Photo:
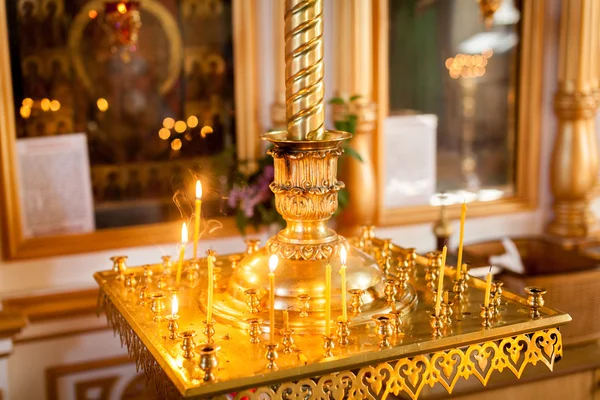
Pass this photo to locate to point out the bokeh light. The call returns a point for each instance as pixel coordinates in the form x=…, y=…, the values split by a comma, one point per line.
x=102, y=104
x=164, y=133
x=176, y=144
x=180, y=126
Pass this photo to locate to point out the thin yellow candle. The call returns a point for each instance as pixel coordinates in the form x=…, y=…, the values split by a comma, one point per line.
x=184, y=237
x=461, y=238
x=343, y=255
x=273, y=261
x=440, y=289
x=488, y=288
x=211, y=283
x=197, y=217
x=174, y=305
x=286, y=320
x=328, y=300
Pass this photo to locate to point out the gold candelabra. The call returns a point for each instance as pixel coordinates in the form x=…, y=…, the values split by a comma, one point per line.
x=288, y=287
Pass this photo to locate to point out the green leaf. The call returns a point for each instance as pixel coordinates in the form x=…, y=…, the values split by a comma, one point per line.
x=350, y=152
x=355, y=97
x=337, y=100
x=241, y=221
x=352, y=120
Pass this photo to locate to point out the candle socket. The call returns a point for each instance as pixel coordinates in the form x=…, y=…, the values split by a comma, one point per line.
x=119, y=266
x=209, y=330
x=328, y=346
x=535, y=300
x=234, y=260
x=147, y=276
x=172, y=326
x=303, y=304
x=343, y=333
x=252, y=301
x=130, y=282
x=142, y=297
x=216, y=278
x=187, y=343
x=397, y=321
x=162, y=283
x=271, y=355
x=446, y=312
x=167, y=264
x=384, y=264
x=356, y=301
x=366, y=237
x=192, y=272
x=384, y=329
x=497, y=299
x=436, y=325
x=486, y=314
x=390, y=290
x=288, y=341
x=157, y=306
x=411, y=257
x=209, y=361
x=252, y=246
x=434, y=259
x=459, y=289
x=255, y=330
x=403, y=278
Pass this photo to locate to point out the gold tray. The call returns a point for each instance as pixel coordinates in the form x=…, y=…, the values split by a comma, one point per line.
x=361, y=370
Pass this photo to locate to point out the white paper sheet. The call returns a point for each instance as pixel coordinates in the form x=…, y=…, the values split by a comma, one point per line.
x=410, y=160
x=54, y=185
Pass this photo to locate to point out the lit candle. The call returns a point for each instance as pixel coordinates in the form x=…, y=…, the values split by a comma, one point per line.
x=286, y=320
x=211, y=282
x=463, y=215
x=440, y=289
x=184, y=235
x=197, y=216
x=343, y=256
x=273, y=261
x=174, y=305
x=488, y=288
x=328, y=300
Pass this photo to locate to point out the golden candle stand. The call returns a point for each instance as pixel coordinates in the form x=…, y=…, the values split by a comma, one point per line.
x=359, y=370
x=392, y=342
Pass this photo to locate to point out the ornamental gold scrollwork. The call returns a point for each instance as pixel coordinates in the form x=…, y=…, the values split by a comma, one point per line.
x=321, y=251
x=411, y=375
x=299, y=155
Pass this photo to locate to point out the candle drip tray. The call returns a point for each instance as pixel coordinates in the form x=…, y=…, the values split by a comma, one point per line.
x=388, y=353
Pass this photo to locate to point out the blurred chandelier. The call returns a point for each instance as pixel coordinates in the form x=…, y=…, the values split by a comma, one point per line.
x=122, y=21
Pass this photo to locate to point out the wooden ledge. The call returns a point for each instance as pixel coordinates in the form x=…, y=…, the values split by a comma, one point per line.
x=38, y=308
x=11, y=323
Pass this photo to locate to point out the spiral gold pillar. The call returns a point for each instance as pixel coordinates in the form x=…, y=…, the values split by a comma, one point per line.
x=306, y=195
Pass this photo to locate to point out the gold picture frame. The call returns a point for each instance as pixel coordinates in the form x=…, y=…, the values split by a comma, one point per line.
x=16, y=246
x=529, y=111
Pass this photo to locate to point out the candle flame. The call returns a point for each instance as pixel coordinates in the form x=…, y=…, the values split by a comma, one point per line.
x=273, y=261
x=184, y=233
x=343, y=255
x=174, y=305
x=198, y=190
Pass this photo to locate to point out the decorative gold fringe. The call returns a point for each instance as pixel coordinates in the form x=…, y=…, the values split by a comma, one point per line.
x=137, y=351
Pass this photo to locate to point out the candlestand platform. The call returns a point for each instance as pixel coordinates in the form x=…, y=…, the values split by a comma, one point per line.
x=381, y=358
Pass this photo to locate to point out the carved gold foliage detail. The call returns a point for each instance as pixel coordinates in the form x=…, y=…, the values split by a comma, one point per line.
x=411, y=375
x=322, y=251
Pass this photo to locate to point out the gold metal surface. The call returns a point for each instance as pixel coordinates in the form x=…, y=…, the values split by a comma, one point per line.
x=361, y=369
x=306, y=195
x=304, y=71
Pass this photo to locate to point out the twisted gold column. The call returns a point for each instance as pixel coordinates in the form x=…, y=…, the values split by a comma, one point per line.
x=304, y=70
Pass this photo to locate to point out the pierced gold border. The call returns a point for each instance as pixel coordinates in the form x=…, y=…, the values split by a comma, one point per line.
x=406, y=375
